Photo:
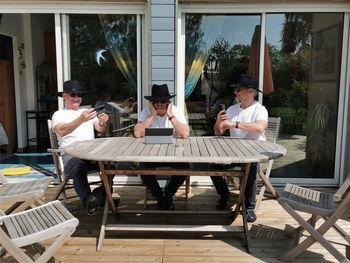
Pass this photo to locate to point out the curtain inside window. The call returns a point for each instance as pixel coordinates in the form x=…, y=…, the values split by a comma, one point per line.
x=211, y=27
x=119, y=35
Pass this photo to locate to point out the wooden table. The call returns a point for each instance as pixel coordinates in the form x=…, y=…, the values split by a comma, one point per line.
x=197, y=151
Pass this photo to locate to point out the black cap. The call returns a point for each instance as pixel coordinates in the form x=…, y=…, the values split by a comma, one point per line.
x=72, y=86
x=247, y=81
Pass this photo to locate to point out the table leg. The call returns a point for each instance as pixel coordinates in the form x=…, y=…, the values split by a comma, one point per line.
x=242, y=190
x=104, y=179
x=245, y=228
x=103, y=226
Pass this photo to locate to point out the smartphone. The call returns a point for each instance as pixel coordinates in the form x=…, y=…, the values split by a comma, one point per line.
x=98, y=108
x=223, y=107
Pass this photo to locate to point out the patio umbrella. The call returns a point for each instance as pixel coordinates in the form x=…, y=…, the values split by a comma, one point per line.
x=253, y=69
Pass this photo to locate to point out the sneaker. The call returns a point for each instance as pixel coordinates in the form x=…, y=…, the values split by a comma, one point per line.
x=222, y=203
x=251, y=216
x=92, y=205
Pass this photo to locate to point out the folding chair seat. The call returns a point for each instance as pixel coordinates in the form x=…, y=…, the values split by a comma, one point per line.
x=22, y=194
x=318, y=204
x=63, y=178
x=34, y=225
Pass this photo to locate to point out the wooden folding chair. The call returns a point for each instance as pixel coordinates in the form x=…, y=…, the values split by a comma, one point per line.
x=35, y=225
x=23, y=194
x=271, y=133
x=318, y=204
x=57, y=159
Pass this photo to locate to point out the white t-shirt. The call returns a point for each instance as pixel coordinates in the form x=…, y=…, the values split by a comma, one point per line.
x=84, y=132
x=163, y=121
x=253, y=113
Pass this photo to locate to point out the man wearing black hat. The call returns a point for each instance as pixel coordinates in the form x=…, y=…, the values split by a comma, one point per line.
x=74, y=124
x=161, y=113
x=246, y=119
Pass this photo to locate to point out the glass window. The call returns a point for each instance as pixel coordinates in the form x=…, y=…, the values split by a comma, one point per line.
x=305, y=53
x=103, y=57
x=218, y=49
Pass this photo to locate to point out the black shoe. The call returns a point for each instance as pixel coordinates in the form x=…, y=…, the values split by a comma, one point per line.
x=251, y=216
x=116, y=201
x=222, y=203
x=92, y=205
x=169, y=204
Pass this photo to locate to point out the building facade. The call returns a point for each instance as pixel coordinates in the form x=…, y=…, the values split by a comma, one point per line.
x=299, y=51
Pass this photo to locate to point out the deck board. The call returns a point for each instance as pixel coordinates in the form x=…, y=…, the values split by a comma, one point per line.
x=268, y=235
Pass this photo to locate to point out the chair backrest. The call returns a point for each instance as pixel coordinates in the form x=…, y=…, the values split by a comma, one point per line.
x=272, y=130
x=52, y=136
x=55, y=150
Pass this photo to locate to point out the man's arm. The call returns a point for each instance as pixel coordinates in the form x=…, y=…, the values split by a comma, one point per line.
x=181, y=129
x=220, y=118
x=100, y=123
x=140, y=127
x=252, y=127
x=62, y=129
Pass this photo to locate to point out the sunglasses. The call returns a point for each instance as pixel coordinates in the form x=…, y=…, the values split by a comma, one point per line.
x=75, y=95
x=238, y=89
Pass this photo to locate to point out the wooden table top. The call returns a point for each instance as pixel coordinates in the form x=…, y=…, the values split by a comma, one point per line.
x=219, y=150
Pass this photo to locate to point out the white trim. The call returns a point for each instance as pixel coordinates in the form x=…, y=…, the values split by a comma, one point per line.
x=72, y=8
x=21, y=133
x=345, y=82
x=262, y=56
x=264, y=7
x=59, y=56
x=138, y=56
x=145, y=51
x=180, y=61
x=65, y=47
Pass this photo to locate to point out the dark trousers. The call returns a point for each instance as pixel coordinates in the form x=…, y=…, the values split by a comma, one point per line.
x=78, y=169
x=170, y=189
x=250, y=190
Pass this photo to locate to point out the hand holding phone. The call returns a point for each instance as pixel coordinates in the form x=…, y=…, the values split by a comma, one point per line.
x=98, y=108
x=223, y=107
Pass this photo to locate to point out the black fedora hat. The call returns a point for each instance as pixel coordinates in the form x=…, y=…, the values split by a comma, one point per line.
x=159, y=93
x=247, y=81
x=72, y=86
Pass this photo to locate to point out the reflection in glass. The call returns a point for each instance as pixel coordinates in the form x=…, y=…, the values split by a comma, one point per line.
x=103, y=57
x=218, y=50
x=305, y=52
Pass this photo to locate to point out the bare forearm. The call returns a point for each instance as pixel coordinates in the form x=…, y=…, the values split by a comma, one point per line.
x=181, y=129
x=141, y=126
x=98, y=127
x=62, y=129
x=252, y=127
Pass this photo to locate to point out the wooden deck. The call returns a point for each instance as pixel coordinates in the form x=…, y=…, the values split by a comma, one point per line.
x=268, y=233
